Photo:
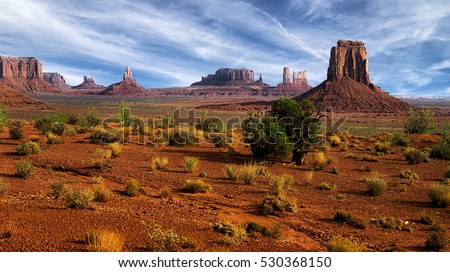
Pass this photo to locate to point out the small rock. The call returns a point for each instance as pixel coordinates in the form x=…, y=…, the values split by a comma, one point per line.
x=203, y=174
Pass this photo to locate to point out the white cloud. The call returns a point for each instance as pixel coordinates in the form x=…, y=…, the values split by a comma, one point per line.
x=441, y=65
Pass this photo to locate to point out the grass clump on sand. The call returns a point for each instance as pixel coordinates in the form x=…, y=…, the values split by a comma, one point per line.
x=376, y=186
x=28, y=148
x=440, y=195
x=132, y=187
x=116, y=149
x=104, y=241
x=196, y=186
x=438, y=239
x=80, y=199
x=247, y=173
x=231, y=172
x=24, y=168
x=342, y=244
x=159, y=163
x=190, y=164
x=320, y=161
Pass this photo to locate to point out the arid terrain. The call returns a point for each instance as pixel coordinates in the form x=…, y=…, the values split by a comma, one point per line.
x=33, y=219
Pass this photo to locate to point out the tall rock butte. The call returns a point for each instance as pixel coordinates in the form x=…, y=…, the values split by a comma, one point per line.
x=228, y=77
x=88, y=83
x=24, y=74
x=127, y=87
x=348, y=87
x=299, y=81
x=56, y=80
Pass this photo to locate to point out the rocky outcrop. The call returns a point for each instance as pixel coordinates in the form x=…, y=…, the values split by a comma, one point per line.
x=298, y=85
x=56, y=80
x=228, y=77
x=349, y=59
x=127, y=87
x=15, y=100
x=24, y=74
x=348, y=87
x=89, y=83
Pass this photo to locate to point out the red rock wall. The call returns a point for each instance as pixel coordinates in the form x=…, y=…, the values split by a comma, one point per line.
x=25, y=68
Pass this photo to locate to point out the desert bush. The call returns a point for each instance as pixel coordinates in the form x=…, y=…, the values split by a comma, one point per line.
x=3, y=187
x=344, y=146
x=101, y=193
x=219, y=140
x=418, y=121
x=376, y=186
x=272, y=204
x=79, y=199
x=98, y=180
x=212, y=124
x=369, y=158
x=442, y=149
x=326, y=186
x=160, y=240
x=231, y=172
x=247, y=172
x=104, y=241
x=334, y=140
x=116, y=149
x=132, y=187
x=124, y=114
x=389, y=222
x=196, y=186
x=382, y=147
x=15, y=129
x=343, y=216
x=320, y=161
x=438, y=239
x=224, y=227
x=28, y=148
x=164, y=192
x=190, y=164
x=414, y=156
x=342, y=244
x=408, y=174
x=440, y=195
x=24, y=168
x=3, y=117
x=279, y=186
x=425, y=218
x=159, y=163
x=398, y=140
x=59, y=189
x=447, y=173
x=70, y=131
x=100, y=157
x=100, y=135
x=52, y=139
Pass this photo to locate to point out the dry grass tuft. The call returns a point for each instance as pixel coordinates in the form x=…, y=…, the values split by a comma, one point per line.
x=104, y=241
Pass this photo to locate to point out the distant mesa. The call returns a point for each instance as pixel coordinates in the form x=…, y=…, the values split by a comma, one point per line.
x=56, y=80
x=24, y=74
x=88, y=83
x=228, y=77
x=348, y=87
x=127, y=87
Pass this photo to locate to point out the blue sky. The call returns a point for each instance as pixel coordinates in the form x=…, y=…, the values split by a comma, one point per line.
x=175, y=43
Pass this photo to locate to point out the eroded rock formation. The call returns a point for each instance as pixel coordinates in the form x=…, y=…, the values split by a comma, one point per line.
x=228, y=77
x=127, y=87
x=24, y=74
x=348, y=87
x=299, y=83
x=89, y=83
x=56, y=80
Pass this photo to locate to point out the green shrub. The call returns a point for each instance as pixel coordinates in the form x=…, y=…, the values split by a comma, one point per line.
x=343, y=216
x=438, y=239
x=414, y=156
x=28, y=148
x=159, y=163
x=376, y=186
x=389, y=222
x=442, y=149
x=105, y=136
x=59, y=189
x=231, y=172
x=160, y=240
x=212, y=124
x=124, y=114
x=80, y=199
x=382, y=147
x=132, y=187
x=196, y=186
x=398, y=140
x=440, y=195
x=52, y=139
x=24, y=168
x=418, y=121
x=190, y=164
x=15, y=130
x=100, y=158
x=70, y=131
x=342, y=244
x=3, y=117
x=279, y=186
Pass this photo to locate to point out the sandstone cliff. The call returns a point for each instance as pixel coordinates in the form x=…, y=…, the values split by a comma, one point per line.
x=24, y=74
x=228, y=77
x=348, y=87
x=56, y=80
x=299, y=83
